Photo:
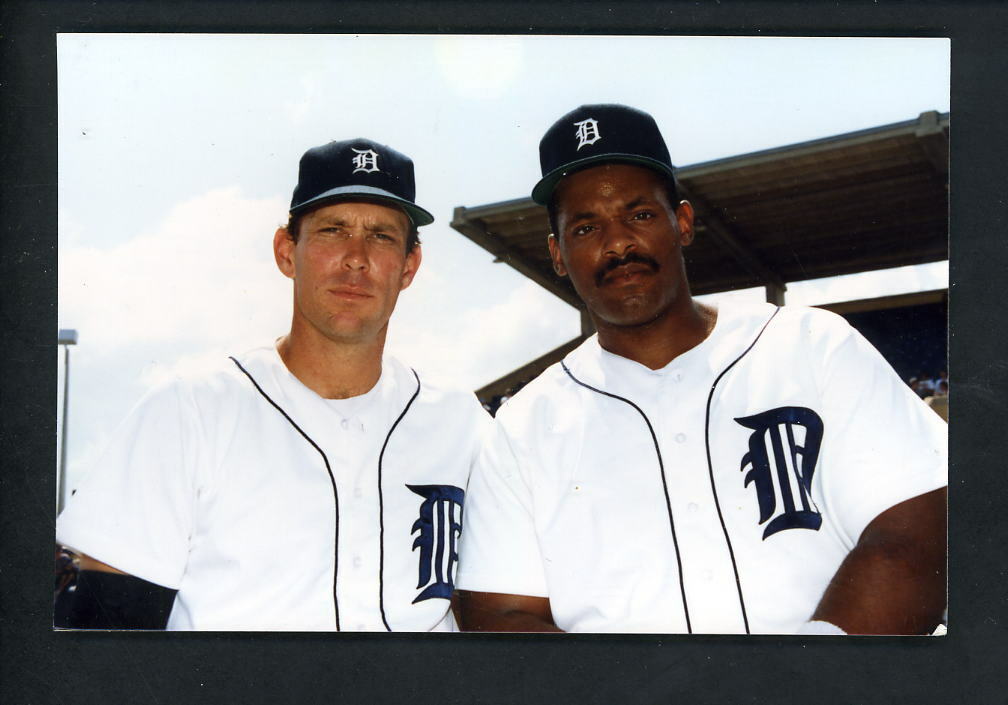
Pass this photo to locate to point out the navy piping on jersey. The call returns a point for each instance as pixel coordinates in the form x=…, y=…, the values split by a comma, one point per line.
x=710, y=466
x=332, y=479
x=381, y=507
x=661, y=467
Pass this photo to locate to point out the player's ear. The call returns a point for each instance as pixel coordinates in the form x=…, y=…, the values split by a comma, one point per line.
x=413, y=258
x=684, y=219
x=283, y=251
x=554, y=250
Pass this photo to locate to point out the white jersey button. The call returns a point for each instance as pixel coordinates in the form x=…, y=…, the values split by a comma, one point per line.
x=693, y=506
x=357, y=561
x=344, y=423
x=680, y=438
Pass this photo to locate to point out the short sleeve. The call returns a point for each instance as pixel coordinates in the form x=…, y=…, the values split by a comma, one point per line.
x=499, y=551
x=134, y=508
x=882, y=444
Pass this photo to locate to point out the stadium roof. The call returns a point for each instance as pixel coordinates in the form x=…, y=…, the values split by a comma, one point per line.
x=855, y=202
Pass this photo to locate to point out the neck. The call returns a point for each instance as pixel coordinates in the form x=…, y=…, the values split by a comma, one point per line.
x=333, y=370
x=657, y=343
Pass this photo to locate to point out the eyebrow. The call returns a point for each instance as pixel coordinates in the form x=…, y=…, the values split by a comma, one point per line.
x=383, y=226
x=639, y=201
x=380, y=226
x=589, y=215
x=578, y=217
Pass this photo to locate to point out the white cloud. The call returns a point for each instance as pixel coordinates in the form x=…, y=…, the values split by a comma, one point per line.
x=205, y=274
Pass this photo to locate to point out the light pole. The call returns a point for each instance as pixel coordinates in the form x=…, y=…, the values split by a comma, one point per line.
x=66, y=338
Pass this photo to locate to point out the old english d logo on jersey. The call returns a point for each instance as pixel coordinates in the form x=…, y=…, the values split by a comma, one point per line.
x=439, y=524
x=783, y=451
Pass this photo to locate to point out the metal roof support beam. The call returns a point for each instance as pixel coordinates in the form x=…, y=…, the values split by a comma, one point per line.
x=723, y=235
x=931, y=136
x=774, y=295
x=479, y=234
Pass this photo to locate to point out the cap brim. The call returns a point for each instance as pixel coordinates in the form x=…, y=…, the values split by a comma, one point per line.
x=415, y=213
x=544, y=189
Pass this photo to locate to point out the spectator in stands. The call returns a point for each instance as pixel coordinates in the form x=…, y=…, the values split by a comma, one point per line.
x=937, y=382
x=494, y=403
x=939, y=400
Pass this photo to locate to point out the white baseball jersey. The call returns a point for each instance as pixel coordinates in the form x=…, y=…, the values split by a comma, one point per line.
x=269, y=507
x=718, y=494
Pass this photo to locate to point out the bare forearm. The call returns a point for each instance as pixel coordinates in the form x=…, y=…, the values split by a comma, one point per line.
x=892, y=582
x=480, y=615
x=506, y=622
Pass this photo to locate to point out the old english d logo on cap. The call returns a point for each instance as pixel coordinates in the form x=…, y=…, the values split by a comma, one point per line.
x=357, y=169
x=587, y=132
x=597, y=134
x=365, y=160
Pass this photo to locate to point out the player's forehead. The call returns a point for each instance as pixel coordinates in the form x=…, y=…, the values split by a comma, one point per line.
x=615, y=184
x=373, y=213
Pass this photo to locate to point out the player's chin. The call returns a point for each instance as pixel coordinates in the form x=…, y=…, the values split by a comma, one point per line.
x=346, y=327
x=630, y=309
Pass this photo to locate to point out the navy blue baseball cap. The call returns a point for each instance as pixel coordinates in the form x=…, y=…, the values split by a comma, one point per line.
x=358, y=167
x=595, y=134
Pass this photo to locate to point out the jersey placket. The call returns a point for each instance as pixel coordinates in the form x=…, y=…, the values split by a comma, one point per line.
x=354, y=461
x=708, y=575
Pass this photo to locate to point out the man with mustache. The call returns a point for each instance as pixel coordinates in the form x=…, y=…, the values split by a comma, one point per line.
x=743, y=468
x=311, y=484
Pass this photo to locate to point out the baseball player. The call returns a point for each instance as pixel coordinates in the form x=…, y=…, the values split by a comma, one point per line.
x=744, y=468
x=311, y=484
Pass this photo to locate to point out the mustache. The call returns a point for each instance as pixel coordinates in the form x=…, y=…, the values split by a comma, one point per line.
x=628, y=258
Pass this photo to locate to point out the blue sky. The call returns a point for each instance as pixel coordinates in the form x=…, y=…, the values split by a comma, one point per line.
x=178, y=155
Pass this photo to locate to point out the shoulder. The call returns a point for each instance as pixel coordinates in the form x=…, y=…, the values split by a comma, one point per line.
x=821, y=342
x=814, y=319
x=755, y=315
x=435, y=393
x=215, y=380
x=548, y=395
x=813, y=328
x=786, y=327
x=238, y=370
